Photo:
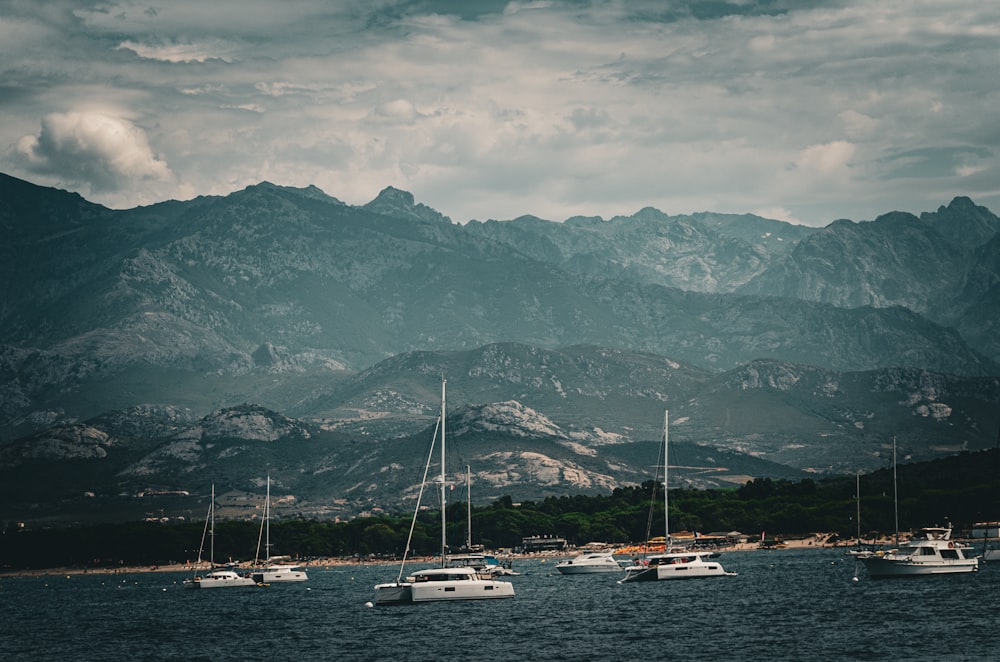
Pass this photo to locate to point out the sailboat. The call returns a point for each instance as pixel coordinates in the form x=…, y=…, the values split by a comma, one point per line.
x=443, y=583
x=860, y=549
x=271, y=572
x=930, y=552
x=216, y=578
x=680, y=564
x=474, y=556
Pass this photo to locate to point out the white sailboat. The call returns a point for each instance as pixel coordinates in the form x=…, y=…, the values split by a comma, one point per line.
x=474, y=556
x=686, y=564
x=216, y=578
x=270, y=572
x=932, y=552
x=444, y=583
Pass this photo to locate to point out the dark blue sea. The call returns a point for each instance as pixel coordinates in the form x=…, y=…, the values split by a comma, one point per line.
x=783, y=605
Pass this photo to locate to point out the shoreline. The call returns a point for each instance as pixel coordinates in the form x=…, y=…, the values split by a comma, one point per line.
x=810, y=542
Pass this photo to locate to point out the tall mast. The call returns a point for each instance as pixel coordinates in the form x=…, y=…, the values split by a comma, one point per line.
x=857, y=499
x=211, y=531
x=895, y=493
x=444, y=522
x=267, y=523
x=666, y=474
x=468, y=483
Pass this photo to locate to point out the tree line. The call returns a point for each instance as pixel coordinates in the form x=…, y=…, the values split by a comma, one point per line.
x=961, y=490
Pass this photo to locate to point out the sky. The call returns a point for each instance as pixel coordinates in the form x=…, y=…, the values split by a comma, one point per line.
x=797, y=110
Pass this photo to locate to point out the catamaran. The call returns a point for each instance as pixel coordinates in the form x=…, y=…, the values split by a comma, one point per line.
x=443, y=583
x=686, y=564
x=271, y=572
x=217, y=577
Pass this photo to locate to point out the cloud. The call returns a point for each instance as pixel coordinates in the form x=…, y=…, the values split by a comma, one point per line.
x=101, y=151
x=170, y=51
x=494, y=109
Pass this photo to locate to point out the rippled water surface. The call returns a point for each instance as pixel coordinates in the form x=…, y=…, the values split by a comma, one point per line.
x=782, y=605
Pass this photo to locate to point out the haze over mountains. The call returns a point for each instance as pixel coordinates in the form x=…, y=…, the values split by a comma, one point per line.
x=174, y=345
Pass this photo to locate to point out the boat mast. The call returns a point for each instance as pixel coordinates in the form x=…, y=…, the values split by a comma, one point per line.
x=895, y=492
x=444, y=523
x=211, y=530
x=267, y=524
x=666, y=473
x=857, y=499
x=468, y=483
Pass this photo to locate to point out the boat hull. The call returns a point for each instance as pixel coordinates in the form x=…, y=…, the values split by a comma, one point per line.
x=219, y=580
x=587, y=569
x=275, y=575
x=462, y=590
x=886, y=567
x=393, y=594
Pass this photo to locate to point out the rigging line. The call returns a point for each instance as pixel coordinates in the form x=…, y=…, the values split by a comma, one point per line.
x=420, y=494
x=653, y=500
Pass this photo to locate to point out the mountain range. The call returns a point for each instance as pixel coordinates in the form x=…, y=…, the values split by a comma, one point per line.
x=159, y=349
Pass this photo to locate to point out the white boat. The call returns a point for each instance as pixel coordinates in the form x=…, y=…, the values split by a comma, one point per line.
x=989, y=532
x=270, y=572
x=675, y=565
x=217, y=577
x=484, y=564
x=932, y=552
x=589, y=563
x=672, y=564
x=437, y=584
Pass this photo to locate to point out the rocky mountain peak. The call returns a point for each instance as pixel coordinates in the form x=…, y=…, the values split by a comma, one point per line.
x=394, y=202
x=253, y=423
x=510, y=417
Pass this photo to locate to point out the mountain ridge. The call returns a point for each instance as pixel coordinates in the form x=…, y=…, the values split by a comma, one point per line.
x=800, y=349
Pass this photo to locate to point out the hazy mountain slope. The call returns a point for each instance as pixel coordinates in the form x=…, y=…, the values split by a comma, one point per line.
x=281, y=281
x=701, y=253
x=367, y=448
x=896, y=260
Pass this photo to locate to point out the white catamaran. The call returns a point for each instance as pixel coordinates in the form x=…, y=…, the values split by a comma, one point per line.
x=672, y=564
x=216, y=578
x=444, y=583
x=271, y=572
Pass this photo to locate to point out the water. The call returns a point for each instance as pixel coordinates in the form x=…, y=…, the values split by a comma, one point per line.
x=783, y=605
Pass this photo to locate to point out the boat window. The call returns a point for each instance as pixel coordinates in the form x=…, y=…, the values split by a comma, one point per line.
x=949, y=554
x=927, y=551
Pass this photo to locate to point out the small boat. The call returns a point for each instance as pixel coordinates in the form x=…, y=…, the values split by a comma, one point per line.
x=487, y=565
x=216, y=578
x=589, y=563
x=270, y=572
x=672, y=564
x=443, y=583
x=931, y=552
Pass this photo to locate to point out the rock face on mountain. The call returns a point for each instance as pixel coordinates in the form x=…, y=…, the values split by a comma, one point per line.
x=341, y=318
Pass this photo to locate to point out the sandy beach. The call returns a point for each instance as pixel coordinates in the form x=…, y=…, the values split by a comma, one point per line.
x=814, y=541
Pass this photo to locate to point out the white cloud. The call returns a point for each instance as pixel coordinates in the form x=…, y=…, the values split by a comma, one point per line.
x=827, y=158
x=92, y=149
x=181, y=52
